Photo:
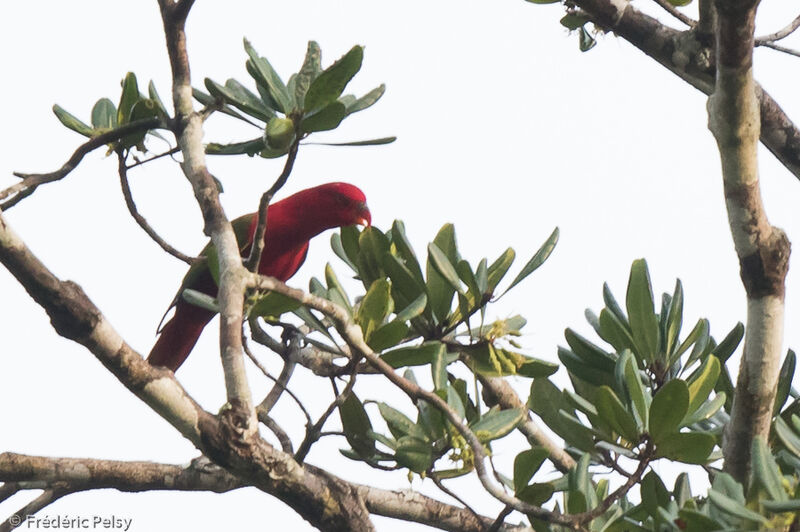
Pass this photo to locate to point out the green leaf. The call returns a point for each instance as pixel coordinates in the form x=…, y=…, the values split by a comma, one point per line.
x=536, y=494
x=706, y=410
x=782, y=506
x=130, y=95
x=250, y=147
x=199, y=299
x=613, y=412
x=308, y=72
x=687, y=447
x=639, y=302
x=699, y=331
x=388, y=335
x=547, y=402
x=373, y=247
x=497, y=423
x=104, y=114
x=498, y=269
x=399, y=424
x=537, y=260
x=668, y=409
x=674, y=319
x=728, y=345
x=324, y=119
x=654, y=494
x=591, y=354
x=766, y=472
x=444, y=267
x=368, y=100
x=413, y=309
x=453, y=397
x=328, y=86
x=526, y=464
x=370, y=142
x=336, y=292
x=733, y=507
x=235, y=94
x=573, y=21
x=784, y=382
x=639, y=397
x=261, y=70
x=418, y=355
x=375, y=307
x=356, y=426
x=680, y=3
x=577, y=367
x=142, y=110
x=273, y=304
x=440, y=291
x=153, y=93
x=405, y=250
x=585, y=40
x=439, y=370
x=702, y=382
x=787, y=436
x=543, y=1
x=72, y=122
x=614, y=331
x=414, y=454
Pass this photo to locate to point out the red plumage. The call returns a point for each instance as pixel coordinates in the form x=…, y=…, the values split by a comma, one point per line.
x=291, y=223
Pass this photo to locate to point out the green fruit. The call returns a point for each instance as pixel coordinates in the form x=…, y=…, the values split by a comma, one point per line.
x=280, y=133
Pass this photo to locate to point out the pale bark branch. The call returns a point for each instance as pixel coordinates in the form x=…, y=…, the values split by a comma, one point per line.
x=82, y=474
x=189, y=134
x=781, y=33
x=763, y=250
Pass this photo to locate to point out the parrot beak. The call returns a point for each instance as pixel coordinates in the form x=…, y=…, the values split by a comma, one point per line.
x=365, y=217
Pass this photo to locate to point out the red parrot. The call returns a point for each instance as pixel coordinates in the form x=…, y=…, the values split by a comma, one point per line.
x=291, y=223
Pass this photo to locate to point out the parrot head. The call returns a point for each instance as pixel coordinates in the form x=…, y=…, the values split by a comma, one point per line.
x=342, y=204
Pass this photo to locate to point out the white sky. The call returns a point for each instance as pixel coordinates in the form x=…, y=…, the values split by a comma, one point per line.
x=504, y=128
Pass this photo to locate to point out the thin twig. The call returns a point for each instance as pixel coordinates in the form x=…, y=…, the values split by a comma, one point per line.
x=436, y=480
x=780, y=34
x=672, y=10
x=173, y=151
x=48, y=497
x=313, y=431
x=34, y=180
x=8, y=489
x=267, y=374
x=126, y=193
x=257, y=248
x=780, y=48
x=277, y=430
x=500, y=518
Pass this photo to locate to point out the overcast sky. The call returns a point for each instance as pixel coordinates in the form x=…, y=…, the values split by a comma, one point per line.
x=504, y=128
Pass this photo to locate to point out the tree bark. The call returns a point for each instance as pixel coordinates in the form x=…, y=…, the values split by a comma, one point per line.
x=763, y=250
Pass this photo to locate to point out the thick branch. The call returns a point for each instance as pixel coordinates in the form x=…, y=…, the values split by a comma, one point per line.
x=231, y=283
x=763, y=250
x=688, y=55
x=85, y=474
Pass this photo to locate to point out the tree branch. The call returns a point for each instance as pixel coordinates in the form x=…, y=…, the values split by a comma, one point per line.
x=763, y=250
x=672, y=10
x=83, y=474
x=126, y=193
x=30, y=182
x=189, y=135
x=257, y=248
x=780, y=34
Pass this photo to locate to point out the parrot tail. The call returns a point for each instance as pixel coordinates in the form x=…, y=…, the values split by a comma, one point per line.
x=179, y=335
